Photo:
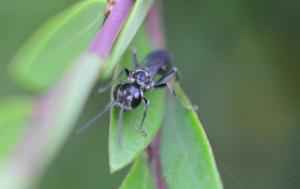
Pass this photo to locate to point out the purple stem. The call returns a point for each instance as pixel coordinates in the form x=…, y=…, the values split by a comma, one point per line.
x=155, y=26
x=105, y=39
x=155, y=30
x=154, y=152
x=26, y=161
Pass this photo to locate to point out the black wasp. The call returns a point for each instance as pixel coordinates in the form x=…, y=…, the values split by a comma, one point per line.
x=141, y=79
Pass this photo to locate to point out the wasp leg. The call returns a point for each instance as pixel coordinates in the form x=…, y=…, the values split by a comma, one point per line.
x=134, y=57
x=146, y=104
x=177, y=75
x=119, y=128
x=108, y=85
x=164, y=82
x=187, y=106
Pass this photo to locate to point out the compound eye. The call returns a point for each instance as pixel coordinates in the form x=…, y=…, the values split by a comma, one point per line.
x=136, y=101
x=136, y=97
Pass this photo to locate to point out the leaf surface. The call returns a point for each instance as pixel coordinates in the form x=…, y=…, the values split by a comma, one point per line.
x=139, y=177
x=186, y=156
x=57, y=44
x=133, y=142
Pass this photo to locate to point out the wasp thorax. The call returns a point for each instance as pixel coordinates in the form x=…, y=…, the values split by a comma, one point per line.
x=128, y=95
x=142, y=78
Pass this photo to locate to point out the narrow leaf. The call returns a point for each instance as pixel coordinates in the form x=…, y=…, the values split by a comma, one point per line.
x=133, y=142
x=186, y=156
x=14, y=113
x=139, y=177
x=57, y=44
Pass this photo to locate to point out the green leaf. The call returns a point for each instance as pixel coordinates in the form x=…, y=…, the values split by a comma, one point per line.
x=133, y=142
x=14, y=112
x=139, y=177
x=130, y=28
x=186, y=156
x=57, y=44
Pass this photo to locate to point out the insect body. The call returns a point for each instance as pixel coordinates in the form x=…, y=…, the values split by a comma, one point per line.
x=141, y=79
x=157, y=62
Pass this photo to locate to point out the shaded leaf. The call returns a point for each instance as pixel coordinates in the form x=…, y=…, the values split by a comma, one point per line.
x=14, y=113
x=57, y=44
x=186, y=156
x=139, y=177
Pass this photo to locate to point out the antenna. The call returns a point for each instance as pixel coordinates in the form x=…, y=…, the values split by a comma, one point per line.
x=91, y=122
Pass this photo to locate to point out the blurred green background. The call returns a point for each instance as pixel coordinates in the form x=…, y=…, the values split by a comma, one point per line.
x=240, y=62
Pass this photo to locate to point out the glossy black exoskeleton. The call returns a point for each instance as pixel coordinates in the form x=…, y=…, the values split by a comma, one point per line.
x=141, y=79
x=128, y=95
x=157, y=62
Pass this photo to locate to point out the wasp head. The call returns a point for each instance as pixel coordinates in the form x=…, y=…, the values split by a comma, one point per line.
x=127, y=95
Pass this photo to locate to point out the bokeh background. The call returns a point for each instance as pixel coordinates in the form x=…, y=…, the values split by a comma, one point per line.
x=240, y=62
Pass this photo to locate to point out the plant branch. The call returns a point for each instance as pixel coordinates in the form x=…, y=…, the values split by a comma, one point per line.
x=105, y=39
x=155, y=30
x=57, y=110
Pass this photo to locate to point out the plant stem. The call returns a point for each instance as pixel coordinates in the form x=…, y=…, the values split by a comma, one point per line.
x=56, y=112
x=155, y=26
x=154, y=152
x=112, y=26
x=155, y=30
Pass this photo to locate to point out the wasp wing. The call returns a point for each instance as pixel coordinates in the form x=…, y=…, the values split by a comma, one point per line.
x=158, y=61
